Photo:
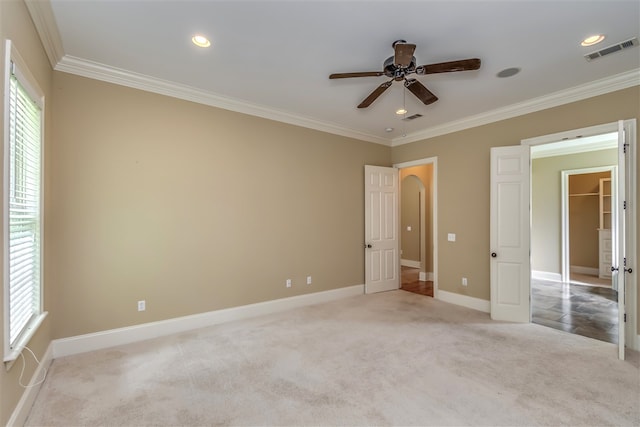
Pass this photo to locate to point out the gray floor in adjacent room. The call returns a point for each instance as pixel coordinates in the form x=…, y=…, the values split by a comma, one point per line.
x=590, y=311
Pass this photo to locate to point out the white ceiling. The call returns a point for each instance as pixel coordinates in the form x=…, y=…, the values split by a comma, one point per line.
x=273, y=58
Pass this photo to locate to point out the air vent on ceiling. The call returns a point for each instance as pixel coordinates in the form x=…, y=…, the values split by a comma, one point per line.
x=612, y=49
x=415, y=116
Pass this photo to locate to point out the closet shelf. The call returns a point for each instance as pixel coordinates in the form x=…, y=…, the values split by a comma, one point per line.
x=584, y=194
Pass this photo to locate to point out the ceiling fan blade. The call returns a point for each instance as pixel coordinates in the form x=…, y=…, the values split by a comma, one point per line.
x=404, y=54
x=363, y=74
x=448, y=67
x=418, y=89
x=375, y=94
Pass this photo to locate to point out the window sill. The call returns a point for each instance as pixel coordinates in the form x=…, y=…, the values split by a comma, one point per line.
x=13, y=353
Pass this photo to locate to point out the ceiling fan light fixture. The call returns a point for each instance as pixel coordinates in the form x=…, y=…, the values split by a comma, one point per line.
x=591, y=40
x=200, y=41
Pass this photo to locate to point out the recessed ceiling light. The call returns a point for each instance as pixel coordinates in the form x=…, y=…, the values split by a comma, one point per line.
x=388, y=130
x=200, y=41
x=591, y=40
x=508, y=72
x=401, y=111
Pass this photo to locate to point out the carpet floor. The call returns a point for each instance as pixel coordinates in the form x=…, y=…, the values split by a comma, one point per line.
x=394, y=358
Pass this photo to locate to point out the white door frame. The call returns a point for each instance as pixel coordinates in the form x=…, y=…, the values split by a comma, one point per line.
x=631, y=330
x=434, y=210
x=566, y=249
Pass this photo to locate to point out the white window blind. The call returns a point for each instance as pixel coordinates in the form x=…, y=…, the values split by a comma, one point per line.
x=24, y=220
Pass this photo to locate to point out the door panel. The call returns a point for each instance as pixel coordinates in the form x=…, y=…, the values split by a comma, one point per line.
x=618, y=237
x=509, y=234
x=382, y=261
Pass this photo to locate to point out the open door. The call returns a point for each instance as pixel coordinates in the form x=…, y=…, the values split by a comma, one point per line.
x=619, y=267
x=509, y=234
x=381, y=246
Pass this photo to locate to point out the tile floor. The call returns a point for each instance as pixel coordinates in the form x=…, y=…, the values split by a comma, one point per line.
x=591, y=311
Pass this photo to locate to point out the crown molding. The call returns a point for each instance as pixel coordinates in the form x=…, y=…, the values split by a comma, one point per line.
x=45, y=23
x=567, y=96
x=97, y=71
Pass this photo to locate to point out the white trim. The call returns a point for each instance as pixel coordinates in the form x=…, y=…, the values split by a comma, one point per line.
x=425, y=276
x=45, y=23
x=30, y=330
x=106, y=73
x=577, y=93
x=631, y=330
x=631, y=280
x=572, y=134
x=22, y=409
x=546, y=275
x=465, y=301
x=30, y=84
x=105, y=339
x=434, y=211
x=410, y=263
x=585, y=270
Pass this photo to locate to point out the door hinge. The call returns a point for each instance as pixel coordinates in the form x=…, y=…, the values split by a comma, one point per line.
x=624, y=205
x=624, y=148
x=625, y=317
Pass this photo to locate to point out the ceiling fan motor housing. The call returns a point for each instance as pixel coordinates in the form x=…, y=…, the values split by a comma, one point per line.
x=398, y=73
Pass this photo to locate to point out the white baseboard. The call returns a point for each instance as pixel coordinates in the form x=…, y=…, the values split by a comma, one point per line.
x=591, y=271
x=425, y=276
x=635, y=344
x=546, y=275
x=409, y=263
x=465, y=301
x=21, y=412
x=99, y=340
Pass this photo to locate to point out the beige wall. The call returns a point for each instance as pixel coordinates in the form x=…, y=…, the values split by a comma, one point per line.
x=425, y=174
x=584, y=219
x=15, y=24
x=193, y=208
x=546, y=197
x=463, y=178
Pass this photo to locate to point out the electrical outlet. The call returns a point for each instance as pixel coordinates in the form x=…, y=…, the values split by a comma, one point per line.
x=142, y=305
x=464, y=281
x=308, y=280
x=288, y=283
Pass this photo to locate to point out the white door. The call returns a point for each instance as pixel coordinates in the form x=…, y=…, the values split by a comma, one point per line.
x=509, y=234
x=381, y=246
x=619, y=267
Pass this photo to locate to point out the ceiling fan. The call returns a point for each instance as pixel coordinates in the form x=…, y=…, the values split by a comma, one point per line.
x=403, y=64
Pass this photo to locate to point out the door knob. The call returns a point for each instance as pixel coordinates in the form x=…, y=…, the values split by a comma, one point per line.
x=368, y=246
x=614, y=269
x=493, y=254
x=628, y=270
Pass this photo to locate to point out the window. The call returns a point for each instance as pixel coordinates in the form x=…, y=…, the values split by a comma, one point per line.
x=22, y=206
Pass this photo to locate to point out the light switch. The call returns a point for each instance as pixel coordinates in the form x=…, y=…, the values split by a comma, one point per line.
x=451, y=237
x=408, y=228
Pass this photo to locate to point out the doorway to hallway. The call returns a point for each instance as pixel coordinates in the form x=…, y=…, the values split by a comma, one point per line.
x=418, y=226
x=410, y=282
